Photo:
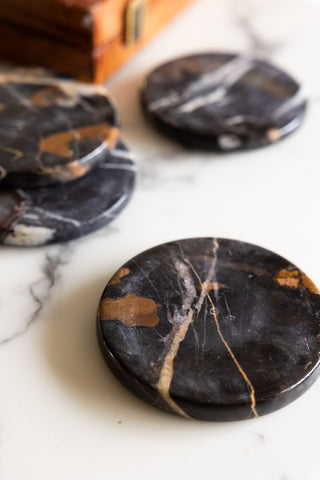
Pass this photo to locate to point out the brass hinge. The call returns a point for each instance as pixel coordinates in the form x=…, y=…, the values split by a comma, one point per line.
x=135, y=15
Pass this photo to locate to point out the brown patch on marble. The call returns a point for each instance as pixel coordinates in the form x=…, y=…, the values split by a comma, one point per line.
x=274, y=135
x=285, y=278
x=113, y=137
x=308, y=283
x=66, y=172
x=123, y=272
x=76, y=170
x=134, y=311
x=296, y=279
x=48, y=96
x=207, y=287
x=2, y=106
x=59, y=143
x=71, y=171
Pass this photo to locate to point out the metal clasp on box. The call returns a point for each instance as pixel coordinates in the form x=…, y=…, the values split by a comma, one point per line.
x=135, y=15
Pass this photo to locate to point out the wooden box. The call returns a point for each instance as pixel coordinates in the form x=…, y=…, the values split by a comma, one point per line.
x=88, y=39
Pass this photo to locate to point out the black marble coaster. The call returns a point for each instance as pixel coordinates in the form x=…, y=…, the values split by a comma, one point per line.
x=223, y=102
x=52, y=130
x=211, y=329
x=63, y=212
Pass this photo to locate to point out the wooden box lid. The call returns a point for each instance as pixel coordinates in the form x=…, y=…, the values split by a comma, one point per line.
x=85, y=38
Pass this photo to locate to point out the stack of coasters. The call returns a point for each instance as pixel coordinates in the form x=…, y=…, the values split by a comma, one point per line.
x=223, y=102
x=64, y=170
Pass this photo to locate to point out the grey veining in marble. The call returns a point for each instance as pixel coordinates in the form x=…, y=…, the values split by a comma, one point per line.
x=223, y=102
x=64, y=212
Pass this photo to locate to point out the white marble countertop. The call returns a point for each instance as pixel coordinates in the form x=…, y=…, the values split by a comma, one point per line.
x=62, y=413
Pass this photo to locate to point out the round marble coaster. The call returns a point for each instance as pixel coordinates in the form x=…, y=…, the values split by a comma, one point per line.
x=52, y=130
x=62, y=212
x=223, y=102
x=211, y=329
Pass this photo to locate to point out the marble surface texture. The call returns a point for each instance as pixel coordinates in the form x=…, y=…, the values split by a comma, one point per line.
x=211, y=329
x=62, y=414
x=62, y=212
x=223, y=102
x=51, y=131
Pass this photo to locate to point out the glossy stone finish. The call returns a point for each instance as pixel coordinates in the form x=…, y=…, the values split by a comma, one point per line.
x=52, y=130
x=223, y=102
x=211, y=329
x=62, y=212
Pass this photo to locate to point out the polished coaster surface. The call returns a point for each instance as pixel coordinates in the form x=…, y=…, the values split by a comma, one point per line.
x=62, y=212
x=223, y=102
x=51, y=130
x=211, y=329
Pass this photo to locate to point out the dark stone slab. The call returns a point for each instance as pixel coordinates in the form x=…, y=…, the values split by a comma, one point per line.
x=62, y=212
x=211, y=329
x=223, y=102
x=52, y=130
